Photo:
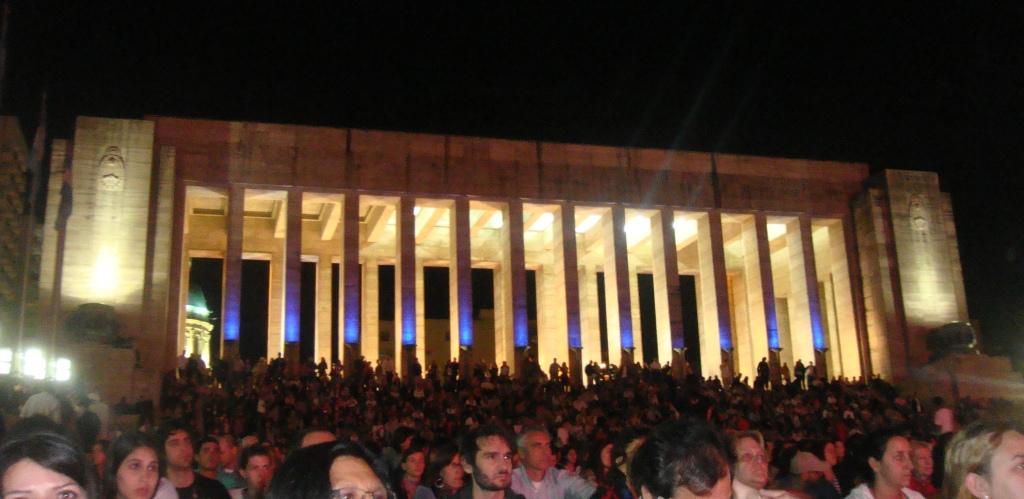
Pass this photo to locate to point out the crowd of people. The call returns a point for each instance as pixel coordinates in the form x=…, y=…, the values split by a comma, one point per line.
x=314, y=430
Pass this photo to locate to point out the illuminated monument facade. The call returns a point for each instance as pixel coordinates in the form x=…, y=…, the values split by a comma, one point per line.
x=779, y=258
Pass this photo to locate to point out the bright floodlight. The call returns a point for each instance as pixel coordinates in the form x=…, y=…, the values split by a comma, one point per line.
x=587, y=223
x=685, y=228
x=543, y=222
x=638, y=225
x=6, y=359
x=62, y=370
x=35, y=364
x=776, y=230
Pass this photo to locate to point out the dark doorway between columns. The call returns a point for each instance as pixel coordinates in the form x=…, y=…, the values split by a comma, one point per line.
x=648, y=327
x=483, y=323
x=691, y=332
x=252, y=330
x=531, y=311
x=335, y=289
x=206, y=274
x=436, y=302
x=602, y=319
x=307, y=312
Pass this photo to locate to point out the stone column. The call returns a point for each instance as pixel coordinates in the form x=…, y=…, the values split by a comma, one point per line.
x=616, y=279
x=764, y=257
x=668, y=305
x=716, y=335
x=349, y=280
x=568, y=267
x=757, y=322
x=322, y=346
x=590, y=315
x=514, y=274
x=421, y=316
x=405, y=284
x=804, y=311
x=843, y=312
x=634, y=309
x=370, y=341
x=460, y=281
x=293, y=276
x=231, y=309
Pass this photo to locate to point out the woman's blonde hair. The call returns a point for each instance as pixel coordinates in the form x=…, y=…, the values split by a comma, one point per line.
x=971, y=451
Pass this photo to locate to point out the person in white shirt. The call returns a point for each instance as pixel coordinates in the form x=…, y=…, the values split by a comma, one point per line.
x=891, y=467
x=537, y=478
x=43, y=403
x=750, y=470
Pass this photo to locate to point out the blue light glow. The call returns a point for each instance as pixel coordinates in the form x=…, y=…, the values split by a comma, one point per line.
x=291, y=325
x=724, y=338
x=352, y=329
x=465, y=326
x=818, y=334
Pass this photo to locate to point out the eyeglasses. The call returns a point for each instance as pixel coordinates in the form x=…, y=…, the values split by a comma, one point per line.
x=753, y=458
x=354, y=493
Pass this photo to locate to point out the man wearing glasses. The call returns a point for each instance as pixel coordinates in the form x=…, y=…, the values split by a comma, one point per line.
x=750, y=470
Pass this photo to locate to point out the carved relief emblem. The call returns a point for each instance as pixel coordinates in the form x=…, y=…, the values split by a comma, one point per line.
x=111, y=170
x=918, y=219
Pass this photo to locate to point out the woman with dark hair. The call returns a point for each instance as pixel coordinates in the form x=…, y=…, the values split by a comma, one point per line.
x=133, y=468
x=444, y=475
x=44, y=464
x=568, y=459
x=339, y=470
x=410, y=470
x=890, y=462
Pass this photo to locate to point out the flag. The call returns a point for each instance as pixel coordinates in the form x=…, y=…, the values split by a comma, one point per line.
x=35, y=157
x=64, y=211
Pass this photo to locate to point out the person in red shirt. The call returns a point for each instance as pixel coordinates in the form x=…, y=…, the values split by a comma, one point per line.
x=921, y=477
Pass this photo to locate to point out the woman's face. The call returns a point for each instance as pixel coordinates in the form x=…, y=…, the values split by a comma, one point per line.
x=453, y=476
x=830, y=454
x=606, y=456
x=351, y=477
x=894, y=468
x=26, y=479
x=1005, y=478
x=413, y=465
x=138, y=474
x=923, y=464
x=570, y=457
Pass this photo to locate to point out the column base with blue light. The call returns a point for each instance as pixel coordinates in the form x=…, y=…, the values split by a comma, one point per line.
x=351, y=358
x=576, y=366
x=520, y=361
x=291, y=356
x=820, y=363
x=229, y=350
x=679, y=362
x=774, y=367
x=408, y=354
x=627, y=360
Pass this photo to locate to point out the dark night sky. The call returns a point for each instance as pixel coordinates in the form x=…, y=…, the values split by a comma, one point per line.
x=904, y=86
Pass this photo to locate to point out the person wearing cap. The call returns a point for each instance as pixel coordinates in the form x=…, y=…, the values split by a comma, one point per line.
x=813, y=476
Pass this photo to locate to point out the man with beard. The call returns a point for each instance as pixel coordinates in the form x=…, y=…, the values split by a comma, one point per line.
x=487, y=456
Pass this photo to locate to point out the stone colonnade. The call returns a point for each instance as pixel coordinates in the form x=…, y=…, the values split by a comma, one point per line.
x=767, y=285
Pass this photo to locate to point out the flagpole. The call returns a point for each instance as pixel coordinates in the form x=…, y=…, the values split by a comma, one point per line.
x=3, y=49
x=63, y=213
x=35, y=169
